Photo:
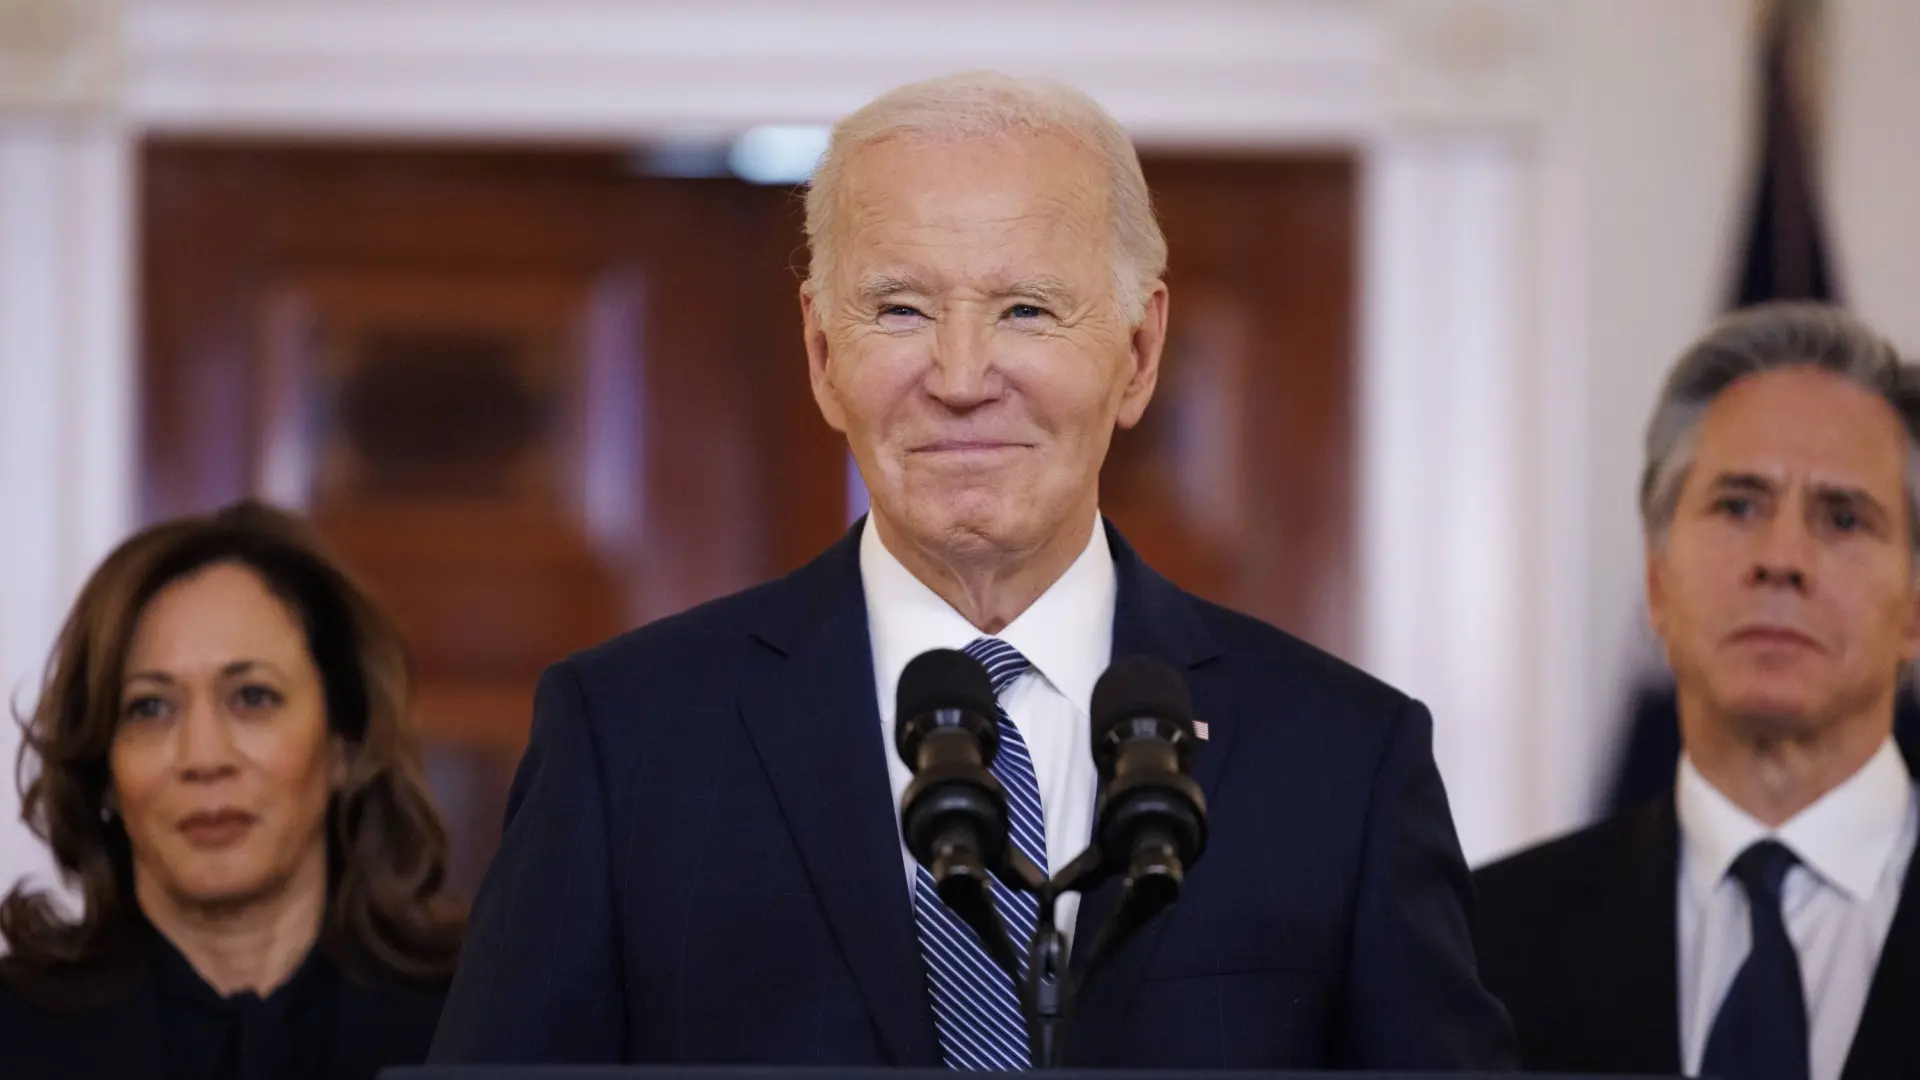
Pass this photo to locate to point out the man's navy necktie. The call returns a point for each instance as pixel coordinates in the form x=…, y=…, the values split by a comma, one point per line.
x=976, y=1007
x=1761, y=1031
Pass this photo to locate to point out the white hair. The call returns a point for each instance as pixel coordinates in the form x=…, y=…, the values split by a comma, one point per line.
x=982, y=105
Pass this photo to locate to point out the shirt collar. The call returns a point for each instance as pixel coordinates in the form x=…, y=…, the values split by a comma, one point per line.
x=1847, y=836
x=1066, y=634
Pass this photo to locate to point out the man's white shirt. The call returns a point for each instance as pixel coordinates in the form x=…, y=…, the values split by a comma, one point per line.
x=1066, y=634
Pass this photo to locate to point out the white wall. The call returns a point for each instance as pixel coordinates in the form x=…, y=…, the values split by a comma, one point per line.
x=1661, y=118
x=66, y=394
x=1873, y=161
x=1660, y=113
x=1643, y=145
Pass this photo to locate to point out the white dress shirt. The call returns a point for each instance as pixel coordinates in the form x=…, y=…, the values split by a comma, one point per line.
x=1067, y=634
x=1853, y=843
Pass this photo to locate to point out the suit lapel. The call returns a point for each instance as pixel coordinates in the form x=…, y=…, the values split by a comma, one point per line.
x=815, y=723
x=1152, y=617
x=1883, y=1043
x=1627, y=960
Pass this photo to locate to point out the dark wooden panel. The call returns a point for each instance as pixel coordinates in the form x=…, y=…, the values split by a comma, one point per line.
x=533, y=398
x=1239, y=482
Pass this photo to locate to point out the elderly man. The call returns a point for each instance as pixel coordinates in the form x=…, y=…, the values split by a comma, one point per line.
x=1759, y=920
x=702, y=861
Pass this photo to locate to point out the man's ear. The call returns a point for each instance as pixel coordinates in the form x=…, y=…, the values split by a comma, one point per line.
x=1910, y=639
x=1656, y=588
x=1149, y=340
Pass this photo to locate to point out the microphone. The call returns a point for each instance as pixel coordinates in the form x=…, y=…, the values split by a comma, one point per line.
x=1151, y=818
x=953, y=815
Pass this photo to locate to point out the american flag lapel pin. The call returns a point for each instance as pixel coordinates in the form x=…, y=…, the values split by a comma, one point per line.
x=1200, y=730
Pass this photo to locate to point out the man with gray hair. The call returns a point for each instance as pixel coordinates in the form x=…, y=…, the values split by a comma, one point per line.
x=1760, y=920
x=702, y=861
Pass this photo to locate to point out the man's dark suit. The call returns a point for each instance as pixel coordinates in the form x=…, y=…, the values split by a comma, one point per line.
x=701, y=862
x=1579, y=938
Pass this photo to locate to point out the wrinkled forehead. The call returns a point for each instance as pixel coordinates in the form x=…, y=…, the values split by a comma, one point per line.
x=999, y=201
x=1805, y=427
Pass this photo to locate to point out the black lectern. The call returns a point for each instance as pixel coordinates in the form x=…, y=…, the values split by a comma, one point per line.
x=816, y=1073
x=759, y=1072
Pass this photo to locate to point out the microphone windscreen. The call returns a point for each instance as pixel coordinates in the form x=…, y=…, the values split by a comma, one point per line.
x=944, y=679
x=1140, y=686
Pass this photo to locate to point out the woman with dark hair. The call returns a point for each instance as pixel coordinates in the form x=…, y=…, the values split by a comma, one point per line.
x=222, y=763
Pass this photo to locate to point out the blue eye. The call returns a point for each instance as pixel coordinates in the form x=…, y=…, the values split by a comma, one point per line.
x=1736, y=506
x=1025, y=311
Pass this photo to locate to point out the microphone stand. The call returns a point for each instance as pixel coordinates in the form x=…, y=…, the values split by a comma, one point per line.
x=1046, y=993
x=1044, y=997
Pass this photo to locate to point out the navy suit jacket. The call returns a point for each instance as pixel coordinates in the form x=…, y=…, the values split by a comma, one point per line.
x=1580, y=937
x=701, y=860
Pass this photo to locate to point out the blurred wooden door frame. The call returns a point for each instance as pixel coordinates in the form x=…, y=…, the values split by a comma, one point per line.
x=1239, y=482
x=653, y=442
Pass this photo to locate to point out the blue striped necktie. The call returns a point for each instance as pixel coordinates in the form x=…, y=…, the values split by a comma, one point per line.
x=976, y=1007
